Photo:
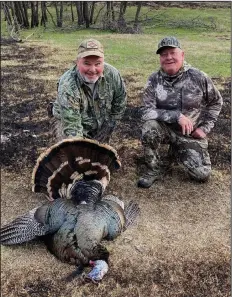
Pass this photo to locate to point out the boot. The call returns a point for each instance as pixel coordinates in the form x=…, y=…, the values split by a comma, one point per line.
x=148, y=178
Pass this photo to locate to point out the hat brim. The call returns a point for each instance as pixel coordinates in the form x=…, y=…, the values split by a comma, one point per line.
x=90, y=53
x=166, y=46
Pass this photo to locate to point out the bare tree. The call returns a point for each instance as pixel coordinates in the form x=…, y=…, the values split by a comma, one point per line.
x=86, y=13
x=34, y=14
x=13, y=26
x=37, y=13
x=44, y=18
x=19, y=10
x=92, y=12
x=108, y=11
x=59, y=13
x=72, y=12
x=121, y=19
x=122, y=10
x=25, y=15
x=79, y=7
x=109, y=19
x=16, y=25
x=17, y=14
x=112, y=11
x=136, y=23
x=6, y=10
x=98, y=13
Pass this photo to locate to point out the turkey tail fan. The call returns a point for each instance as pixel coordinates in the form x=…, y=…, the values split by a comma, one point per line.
x=131, y=211
x=72, y=159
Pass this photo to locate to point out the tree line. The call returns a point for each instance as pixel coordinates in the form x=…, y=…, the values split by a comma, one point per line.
x=30, y=14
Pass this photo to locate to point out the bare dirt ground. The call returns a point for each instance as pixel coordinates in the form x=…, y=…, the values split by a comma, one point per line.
x=180, y=246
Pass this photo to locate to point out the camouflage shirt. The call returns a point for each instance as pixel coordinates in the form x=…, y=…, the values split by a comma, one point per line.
x=83, y=108
x=190, y=92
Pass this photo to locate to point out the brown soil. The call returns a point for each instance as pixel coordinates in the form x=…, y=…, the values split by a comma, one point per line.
x=180, y=246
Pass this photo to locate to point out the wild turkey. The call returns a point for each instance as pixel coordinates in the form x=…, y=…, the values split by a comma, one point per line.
x=78, y=217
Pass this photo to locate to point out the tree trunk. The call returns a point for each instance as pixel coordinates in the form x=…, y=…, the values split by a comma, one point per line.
x=92, y=12
x=18, y=12
x=99, y=11
x=25, y=15
x=12, y=23
x=108, y=11
x=44, y=14
x=15, y=22
x=86, y=14
x=36, y=13
x=54, y=23
x=59, y=14
x=112, y=11
x=6, y=11
x=123, y=6
x=32, y=14
x=79, y=12
x=136, y=23
x=121, y=20
x=72, y=12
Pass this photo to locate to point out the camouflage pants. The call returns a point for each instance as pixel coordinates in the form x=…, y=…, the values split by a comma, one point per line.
x=190, y=152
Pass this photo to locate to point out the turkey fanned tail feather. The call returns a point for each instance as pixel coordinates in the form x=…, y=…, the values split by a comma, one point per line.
x=70, y=160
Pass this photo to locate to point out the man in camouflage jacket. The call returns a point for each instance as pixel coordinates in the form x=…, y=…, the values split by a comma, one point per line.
x=181, y=105
x=91, y=96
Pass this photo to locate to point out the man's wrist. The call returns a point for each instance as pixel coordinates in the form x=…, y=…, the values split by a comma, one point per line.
x=179, y=117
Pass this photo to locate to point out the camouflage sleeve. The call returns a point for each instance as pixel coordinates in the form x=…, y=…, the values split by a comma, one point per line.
x=150, y=110
x=119, y=98
x=69, y=112
x=213, y=106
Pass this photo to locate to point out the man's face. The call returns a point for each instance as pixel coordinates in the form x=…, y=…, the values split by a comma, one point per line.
x=171, y=60
x=90, y=68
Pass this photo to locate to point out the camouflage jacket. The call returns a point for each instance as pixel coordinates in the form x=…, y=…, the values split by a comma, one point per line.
x=190, y=92
x=82, y=110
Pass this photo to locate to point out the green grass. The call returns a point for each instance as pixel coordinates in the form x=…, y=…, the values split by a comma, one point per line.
x=206, y=43
x=137, y=52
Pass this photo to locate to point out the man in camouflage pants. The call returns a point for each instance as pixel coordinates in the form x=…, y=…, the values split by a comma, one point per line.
x=91, y=96
x=181, y=105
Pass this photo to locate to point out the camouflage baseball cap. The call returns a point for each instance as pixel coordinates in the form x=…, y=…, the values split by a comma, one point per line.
x=169, y=41
x=90, y=47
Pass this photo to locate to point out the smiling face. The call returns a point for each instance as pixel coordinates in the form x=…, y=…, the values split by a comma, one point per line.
x=91, y=68
x=171, y=60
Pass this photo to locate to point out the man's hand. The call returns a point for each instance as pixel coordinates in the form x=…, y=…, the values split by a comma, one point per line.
x=198, y=133
x=106, y=130
x=186, y=125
